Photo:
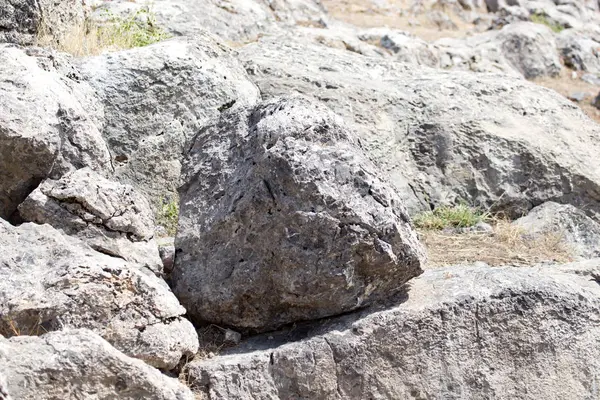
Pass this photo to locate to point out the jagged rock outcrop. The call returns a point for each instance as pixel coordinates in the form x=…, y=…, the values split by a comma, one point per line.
x=78, y=364
x=283, y=219
x=111, y=218
x=48, y=123
x=578, y=231
x=23, y=21
x=49, y=282
x=446, y=136
x=156, y=98
x=464, y=332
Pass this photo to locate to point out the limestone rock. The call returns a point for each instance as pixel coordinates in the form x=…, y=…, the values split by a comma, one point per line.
x=156, y=98
x=464, y=332
x=111, y=218
x=232, y=20
x=78, y=364
x=580, y=48
x=283, y=219
x=48, y=123
x=49, y=282
x=446, y=136
x=578, y=231
x=21, y=21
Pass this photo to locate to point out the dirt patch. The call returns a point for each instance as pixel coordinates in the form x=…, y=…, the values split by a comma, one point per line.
x=505, y=245
x=567, y=84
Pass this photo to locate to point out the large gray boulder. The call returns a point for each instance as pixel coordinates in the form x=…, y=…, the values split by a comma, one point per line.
x=283, y=219
x=156, y=98
x=580, y=48
x=466, y=332
x=446, y=136
x=521, y=48
x=49, y=281
x=78, y=364
x=48, y=123
x=578, y=231
x=111, y=218
x=23, y=21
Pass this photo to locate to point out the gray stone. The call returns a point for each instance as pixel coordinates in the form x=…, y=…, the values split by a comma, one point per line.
x=233, y=20
x=464, y=332
x=580, y=48
x=591, y=78
x=49, y=281
x=156, y=98
x=111, y=218
x=522, y=48
x=446, y=136
x=578, y=96
x=166, y=250
x=78, y=364
x=22, y=21
x=578, y=231
x=596, y=102
x=48, y=123
x=405, y=47
x=283, y=219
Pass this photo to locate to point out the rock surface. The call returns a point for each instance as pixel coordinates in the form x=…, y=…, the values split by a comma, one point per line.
x=284, y=219
x=464, y=332
x=156, y=98
x=580, y=48
x=232, y=20
x=444, y=137
x=49, y=282
x=22, y=21
x=111, y=218
x=578, y=231
x=78, y=364
x=48, y=123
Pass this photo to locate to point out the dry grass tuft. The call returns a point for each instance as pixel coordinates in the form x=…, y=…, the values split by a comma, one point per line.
x=116, y=33
x=505, y=245
x=461, y=216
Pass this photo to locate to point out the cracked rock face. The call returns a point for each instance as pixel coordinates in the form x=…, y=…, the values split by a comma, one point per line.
x=578, y=231
x=78, y=364
x=156, y=98
x=48, y=123
x=446, y=136
x=283, y=219
x=111, y=218
x=49, y=281
x=465, y=332
x=21, y=20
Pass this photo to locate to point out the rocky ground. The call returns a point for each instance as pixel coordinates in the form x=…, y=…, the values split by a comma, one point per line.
x=294, y=199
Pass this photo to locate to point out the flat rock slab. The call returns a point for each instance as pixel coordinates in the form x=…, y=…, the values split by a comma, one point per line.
x=464, y=332
x=445, y=136
x=283, y=218
x=110, y=217
x=78, y=364
x=49, y=281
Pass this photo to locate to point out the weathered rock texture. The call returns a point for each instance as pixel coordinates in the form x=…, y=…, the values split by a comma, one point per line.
x=284, y=219
x=78, y=364
x=580, y=48
x=48, y=123
x=464, y=332
x=522, y=48
x=442, y=137
x=233, y=20
x=49, y=282
x=111, y=218
x=22, y=21
x=156, y=98
x=578, y=231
